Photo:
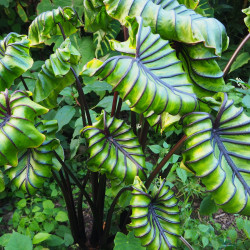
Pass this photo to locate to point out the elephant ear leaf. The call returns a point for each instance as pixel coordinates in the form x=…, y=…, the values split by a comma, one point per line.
x=198, y=40
x=217, y=150
x=35, y=164
x=14, y=58
x=155, y=216
x=56, y=74
x=114, y=149
x=17, y=130
x=46, y=24
x=149, y=75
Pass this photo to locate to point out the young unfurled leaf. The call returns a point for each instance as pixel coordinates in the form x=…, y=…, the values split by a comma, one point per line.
x=151, y=78
x=17, y=130
x=114, y=149
x=217, y=150
x=14, y=58
x=56, y=74
x=46, y=24
x=35, y=164
x=155, y=216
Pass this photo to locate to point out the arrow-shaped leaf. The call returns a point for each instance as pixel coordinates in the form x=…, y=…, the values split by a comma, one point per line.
x=151, y=78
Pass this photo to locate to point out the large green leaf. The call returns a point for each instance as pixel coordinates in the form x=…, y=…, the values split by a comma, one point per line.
x=14, y=58
x=17, y=130
x=155, y=216
x=35, y=164
x=217, y=150
x=56, y=74
x=172, y=21
x=199, y=40
x=114, y=149
x=149, y=75
x=101, y=38
x=46, y=24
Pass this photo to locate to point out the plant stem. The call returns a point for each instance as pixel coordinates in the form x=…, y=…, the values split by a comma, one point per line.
x=164, y=161
x=235, y=54
x=82, y=99
x=119, y=106
x=25, y=86
x=186, y=243
x=110, y=213
x=77, y=182
x=114, y=103
x=133, y=122
x=144, y=133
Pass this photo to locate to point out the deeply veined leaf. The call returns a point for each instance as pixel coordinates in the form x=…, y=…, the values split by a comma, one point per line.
x=172, y=21
x=198, y=40
x=35, y=164
x=14, y=58
x=56, y=74
x=46, y=24
x=217, y=150
x=17, y=130
x=114, y=149
x=155, y=216
x=149, y=75
x=101, y=38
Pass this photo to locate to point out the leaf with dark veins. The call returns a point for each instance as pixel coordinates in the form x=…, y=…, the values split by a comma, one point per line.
x=155, y=216
x=114, y=149
x=217, y=150
x=17, y=130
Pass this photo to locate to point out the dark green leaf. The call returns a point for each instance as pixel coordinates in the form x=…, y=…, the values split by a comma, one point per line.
x=208, y=206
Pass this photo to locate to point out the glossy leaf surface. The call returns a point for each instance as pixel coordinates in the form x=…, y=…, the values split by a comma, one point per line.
x=56, y=74
x=198, y=40
x=217, y=150
x=46, y=24
x=35, y=164
x=14, y=58
x=155, y=216
x=114, y=149
x=149, y=75
x=17, y=130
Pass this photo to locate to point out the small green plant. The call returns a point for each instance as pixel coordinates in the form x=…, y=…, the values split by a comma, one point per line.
x=167, y=78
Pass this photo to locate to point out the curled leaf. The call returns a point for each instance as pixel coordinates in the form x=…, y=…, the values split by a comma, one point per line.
x=217, y=150
x=35, y=164
x=17, y=130
x=15, y=58
x=155, y=216
x=114, y=149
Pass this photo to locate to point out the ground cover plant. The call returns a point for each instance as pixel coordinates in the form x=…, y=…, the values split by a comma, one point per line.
x=165, y=116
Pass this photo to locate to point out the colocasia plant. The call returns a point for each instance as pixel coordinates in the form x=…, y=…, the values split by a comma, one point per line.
x=166, y=71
